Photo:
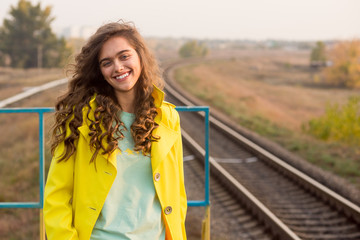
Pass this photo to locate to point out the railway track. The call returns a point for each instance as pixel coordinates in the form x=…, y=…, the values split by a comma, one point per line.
x=230, y=219
x=302, y=207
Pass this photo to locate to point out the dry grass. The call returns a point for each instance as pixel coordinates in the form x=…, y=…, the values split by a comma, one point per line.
x=19, y=158
x=13, y=81
x=273, y=93
x=274, y=87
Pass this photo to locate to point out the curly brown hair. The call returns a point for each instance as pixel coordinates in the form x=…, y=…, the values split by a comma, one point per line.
x=87, y=82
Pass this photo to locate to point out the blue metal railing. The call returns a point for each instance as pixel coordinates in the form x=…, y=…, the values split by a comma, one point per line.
x=39, y=204
x=41, y=111
x=206, y=201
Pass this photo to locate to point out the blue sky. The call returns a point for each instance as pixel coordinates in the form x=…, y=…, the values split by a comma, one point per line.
x=221, y=19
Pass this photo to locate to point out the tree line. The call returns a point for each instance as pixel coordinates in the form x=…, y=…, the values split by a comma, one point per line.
x=27, y=40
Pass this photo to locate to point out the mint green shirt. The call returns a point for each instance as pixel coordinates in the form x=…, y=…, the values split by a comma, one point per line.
x=131, y=209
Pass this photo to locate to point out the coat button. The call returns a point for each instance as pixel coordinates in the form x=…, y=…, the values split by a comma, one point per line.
x=157, y=177
x=168, y=210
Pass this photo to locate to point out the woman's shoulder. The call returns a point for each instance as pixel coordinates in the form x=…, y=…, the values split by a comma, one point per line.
x=170, y=116
x=91, y=107
x=168, y=105
x=169, y=110
x=83, y=113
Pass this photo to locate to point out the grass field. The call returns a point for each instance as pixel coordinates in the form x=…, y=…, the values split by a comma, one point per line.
x=19, y=154
x=274, y=93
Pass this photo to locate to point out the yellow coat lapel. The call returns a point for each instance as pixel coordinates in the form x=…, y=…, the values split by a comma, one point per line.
x=168, y=136
x=84, y=130
x=161, y=148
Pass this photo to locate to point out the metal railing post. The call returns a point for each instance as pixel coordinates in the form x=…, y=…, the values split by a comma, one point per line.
x=205, y=232
x=41, y=173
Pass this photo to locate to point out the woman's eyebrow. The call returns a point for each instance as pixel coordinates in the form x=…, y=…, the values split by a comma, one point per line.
x=117, y=54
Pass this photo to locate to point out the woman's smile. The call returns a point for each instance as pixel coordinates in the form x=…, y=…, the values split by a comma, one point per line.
x=122, y=76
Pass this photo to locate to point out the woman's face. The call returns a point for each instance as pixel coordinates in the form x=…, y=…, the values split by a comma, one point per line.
x=120, y=65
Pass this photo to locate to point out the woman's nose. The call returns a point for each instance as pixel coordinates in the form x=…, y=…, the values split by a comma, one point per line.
x=119, y=66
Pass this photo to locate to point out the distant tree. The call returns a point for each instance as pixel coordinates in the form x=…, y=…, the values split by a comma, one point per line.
x=345, y=69
x=318, y=55
x=193, y=49
x=28, y=40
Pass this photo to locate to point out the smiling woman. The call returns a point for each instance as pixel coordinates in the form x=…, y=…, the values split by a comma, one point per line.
x=117, y=167
x=120, y=66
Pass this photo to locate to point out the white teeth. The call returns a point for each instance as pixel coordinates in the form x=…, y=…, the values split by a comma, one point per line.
x=122, y=76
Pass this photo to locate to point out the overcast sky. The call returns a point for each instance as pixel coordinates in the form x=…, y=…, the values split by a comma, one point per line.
x=221, y=19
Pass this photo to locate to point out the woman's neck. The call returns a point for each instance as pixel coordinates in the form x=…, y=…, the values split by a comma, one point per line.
x=126, y=100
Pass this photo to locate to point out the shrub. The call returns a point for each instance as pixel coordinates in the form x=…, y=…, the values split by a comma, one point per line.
x=340, y=124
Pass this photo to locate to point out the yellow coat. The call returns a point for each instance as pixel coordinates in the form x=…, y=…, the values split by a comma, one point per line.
x=75, y=192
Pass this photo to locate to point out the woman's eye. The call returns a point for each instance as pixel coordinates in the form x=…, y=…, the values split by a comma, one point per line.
x=105, y=64
x=124, y=57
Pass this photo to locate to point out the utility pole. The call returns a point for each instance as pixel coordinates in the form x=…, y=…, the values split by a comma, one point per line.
x=39, y=56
